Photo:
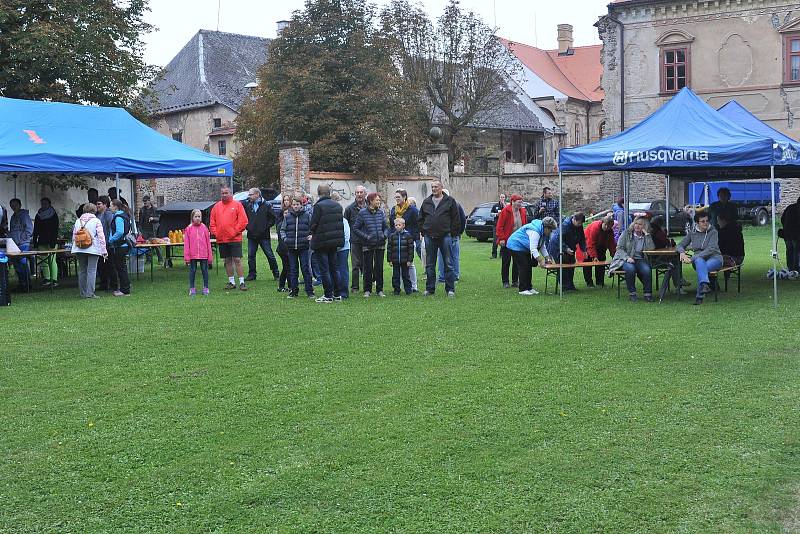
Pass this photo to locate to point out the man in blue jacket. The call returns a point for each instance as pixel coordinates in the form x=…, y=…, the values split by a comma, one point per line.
x=572, y=237
x=20, y=229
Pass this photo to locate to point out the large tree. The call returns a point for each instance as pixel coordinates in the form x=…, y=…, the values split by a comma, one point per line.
x=329, y=80
x=87, y=51
x=83, y=51
x=456, y=62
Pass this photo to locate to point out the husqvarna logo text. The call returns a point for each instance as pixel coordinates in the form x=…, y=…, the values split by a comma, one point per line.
x=624, y=157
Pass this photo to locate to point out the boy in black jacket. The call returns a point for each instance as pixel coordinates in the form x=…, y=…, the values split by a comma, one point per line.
x=400, y=253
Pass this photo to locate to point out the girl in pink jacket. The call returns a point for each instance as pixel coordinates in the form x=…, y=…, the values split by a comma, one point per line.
x=197, y=250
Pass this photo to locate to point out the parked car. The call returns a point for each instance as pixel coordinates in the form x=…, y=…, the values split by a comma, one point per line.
x=679, y=220
x=481, y=221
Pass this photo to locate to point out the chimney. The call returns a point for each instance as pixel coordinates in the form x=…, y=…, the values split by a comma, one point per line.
x=564, y=39
x=282, y=25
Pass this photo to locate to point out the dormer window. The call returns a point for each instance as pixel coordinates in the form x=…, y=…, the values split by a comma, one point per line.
x=217, y=123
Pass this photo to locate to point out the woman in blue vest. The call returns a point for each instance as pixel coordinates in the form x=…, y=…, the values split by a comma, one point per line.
x=529, y=243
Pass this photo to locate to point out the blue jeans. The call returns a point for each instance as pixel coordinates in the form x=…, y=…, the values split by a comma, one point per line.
x=326, y=259
x=301, y=257
x=193, y=272
x=252, y=250
x=703, y=267
x=434, y=246
x=23, y=269
x=343, y=273
x=455, y=259
x=642, y=269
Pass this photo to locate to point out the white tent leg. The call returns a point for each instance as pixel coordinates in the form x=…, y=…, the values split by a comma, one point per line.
x=774, y=238
x=116, y=183
x=666, y=209
x=560, y=236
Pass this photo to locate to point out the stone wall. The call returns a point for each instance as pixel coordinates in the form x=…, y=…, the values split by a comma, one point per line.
x=585, y=191
x=193, y=189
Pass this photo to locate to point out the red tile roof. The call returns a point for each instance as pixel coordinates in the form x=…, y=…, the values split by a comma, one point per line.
x=576, y=75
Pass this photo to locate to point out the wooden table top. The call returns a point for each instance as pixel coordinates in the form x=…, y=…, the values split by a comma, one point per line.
x=28, y=253
x=552, y=266
x=662, y=252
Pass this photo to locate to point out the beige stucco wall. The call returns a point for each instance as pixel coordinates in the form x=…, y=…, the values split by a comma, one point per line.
x=29, y=191
x=736, y=53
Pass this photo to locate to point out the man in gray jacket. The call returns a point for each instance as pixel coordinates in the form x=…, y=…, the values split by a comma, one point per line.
x=704, y=242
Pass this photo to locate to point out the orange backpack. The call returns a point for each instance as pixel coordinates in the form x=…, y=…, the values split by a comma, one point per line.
x=82, y=237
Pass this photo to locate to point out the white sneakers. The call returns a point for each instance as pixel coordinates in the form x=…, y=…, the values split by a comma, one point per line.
x=529, y=292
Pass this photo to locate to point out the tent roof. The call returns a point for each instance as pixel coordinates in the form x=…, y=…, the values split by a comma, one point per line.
x=685, y=137
x=64, y=138
x=735, y=112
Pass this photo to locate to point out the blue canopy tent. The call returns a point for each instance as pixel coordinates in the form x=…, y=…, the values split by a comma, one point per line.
x=787, y=149
x=54, y=137
x=686, y=138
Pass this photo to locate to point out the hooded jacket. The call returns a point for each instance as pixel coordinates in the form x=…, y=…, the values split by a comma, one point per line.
x=45, y=228
x=411, y=217
x=505, y=222
x=704, y=244
x=625, y=246
x=529, y=238
x=20, y=229
x=572, y=237
x=296, y=229
x=197, y=243
x=598, y=240
x=228, y=221
x=400, y=248
x=91, y=224
x=371, y=228
x=327, y=228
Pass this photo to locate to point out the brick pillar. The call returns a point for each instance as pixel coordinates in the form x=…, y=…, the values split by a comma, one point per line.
x=438, y=162
x=294, y=162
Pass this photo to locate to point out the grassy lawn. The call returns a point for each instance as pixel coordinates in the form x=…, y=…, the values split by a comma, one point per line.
x=246, y=412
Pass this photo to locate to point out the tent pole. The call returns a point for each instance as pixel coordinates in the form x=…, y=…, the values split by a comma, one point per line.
x=774, y=238
x=116, y=184
x=666, y=210
x=560, y=237
x=626, y=189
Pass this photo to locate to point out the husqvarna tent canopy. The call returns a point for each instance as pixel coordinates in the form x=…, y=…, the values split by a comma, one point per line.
x=788, y=150
x=63, y=138
x=685, y=136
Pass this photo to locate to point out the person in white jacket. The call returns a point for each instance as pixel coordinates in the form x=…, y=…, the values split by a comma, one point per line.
x=88, y=256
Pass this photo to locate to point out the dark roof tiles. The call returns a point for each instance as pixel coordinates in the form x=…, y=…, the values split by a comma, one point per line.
x=213, y=68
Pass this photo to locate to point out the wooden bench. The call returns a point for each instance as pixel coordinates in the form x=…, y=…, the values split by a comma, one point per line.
x=734, y=270
x=552, y=269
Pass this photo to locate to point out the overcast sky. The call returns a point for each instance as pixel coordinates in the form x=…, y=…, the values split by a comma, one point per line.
x=528, y=21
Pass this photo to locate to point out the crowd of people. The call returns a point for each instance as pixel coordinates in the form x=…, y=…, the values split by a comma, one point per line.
x=344, y=250
x=713, y=241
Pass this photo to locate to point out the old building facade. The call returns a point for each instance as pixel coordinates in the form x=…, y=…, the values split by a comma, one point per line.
x=747, y=50
x=199, y=97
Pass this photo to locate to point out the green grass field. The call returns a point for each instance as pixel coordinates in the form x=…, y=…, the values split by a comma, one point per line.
x=247, y=412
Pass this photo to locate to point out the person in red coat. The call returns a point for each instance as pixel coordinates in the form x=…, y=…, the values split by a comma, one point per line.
x=511, y=217
x=599, y=241
x=228, y=222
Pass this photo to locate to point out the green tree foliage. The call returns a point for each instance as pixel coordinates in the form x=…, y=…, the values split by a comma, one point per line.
x=87, y=51
x=329, y=80
x=456, y=62
x=82, y=51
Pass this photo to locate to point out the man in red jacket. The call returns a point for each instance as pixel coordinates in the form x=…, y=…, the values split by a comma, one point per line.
x=510, y=219
x=599, y=240
x=228, y=221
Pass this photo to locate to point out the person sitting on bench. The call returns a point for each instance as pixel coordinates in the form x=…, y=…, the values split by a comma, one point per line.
x=630, y=254
x=661, y=240
x=703, y=240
